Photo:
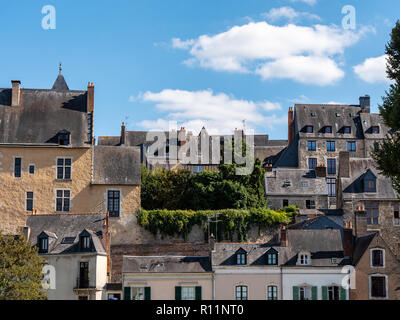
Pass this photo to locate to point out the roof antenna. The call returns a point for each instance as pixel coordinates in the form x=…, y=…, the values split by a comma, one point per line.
x=60, y=68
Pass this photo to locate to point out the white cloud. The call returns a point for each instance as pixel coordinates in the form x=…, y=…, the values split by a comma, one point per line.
x=288, y=13
x=218, y=112
x=179, y=44
x=301, y=53
x=309, y=2
x=372, y=70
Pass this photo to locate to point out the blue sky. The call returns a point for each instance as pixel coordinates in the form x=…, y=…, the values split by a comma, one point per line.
x=212, y=63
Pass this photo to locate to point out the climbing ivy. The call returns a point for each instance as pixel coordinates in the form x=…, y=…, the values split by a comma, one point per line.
x=180, y=222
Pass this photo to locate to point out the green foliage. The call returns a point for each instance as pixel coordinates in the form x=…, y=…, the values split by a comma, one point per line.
x=20, y=270
x=387, y=153
x=180, y=222
x=208, y=190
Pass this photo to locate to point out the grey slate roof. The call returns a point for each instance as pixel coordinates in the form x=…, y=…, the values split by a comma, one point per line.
x=116, y=165
x=368, y=120
x=275, y=182
x=317, y=223
x=165, y=264
x=354, y=184
x=361, y=244
x=289, y=157
x=60, y=226
x=42, y=115
x=60, y=83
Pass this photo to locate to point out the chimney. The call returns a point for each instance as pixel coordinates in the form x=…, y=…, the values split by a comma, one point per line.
x=360, y=216
x=290, y=125
x=348, y=240
x=182, y=136
x=365, y=104
x=320, y=171
x=123, y=134
x=284, y=239
x=90, y=97
x=16, y=93
x=211, y=242
x=344, y=164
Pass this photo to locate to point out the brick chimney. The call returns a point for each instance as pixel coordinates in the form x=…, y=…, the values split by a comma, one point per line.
x=290, y=125
x=360, y=216
x=344, y=164
x=348, y=240
x=16, y=93
x=284, y=239
x=90, y=97
x=365, y=104
x=182, y=136
x=123, y=134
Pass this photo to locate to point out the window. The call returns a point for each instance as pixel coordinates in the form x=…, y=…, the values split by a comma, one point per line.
x=372, y=212
x=304, y=259
x=85, y=242
x=305, y=293
x=378, y=258
x=370, y=185
x=330, y=146
x=285, y=203
x=113, y=201
x=331, y=166
x=328, y=129
x=310, y=204
x=43, y=245
x=272, y=292
x=241, y=258
x=84, y=275
x=64, y=138
x=309, y=129
x=63, y=200
x=311, y=145
x=378, y=286
x=272, y=259
x=241, y=293
x=138, y=293
x=188, y=293
x=333, y=293
x=29, y=201
x=31, y=169
x=17, y=167
x=331, y=184
x=313, y=114
x=396, y=218
x=375, y=129
x=64, y=168
x=347, y=130
x=312, y=163
x=351, y=146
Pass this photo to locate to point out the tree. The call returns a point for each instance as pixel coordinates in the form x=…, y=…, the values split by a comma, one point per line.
x=387, y=153
x=20, y=270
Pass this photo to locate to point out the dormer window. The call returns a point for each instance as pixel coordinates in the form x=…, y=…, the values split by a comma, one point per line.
x=241, y=257
x=272, y=257
x=43, y=244
x=313, y=114
x=375, y=130
x=309, y=129
x=347, y=130
x=328, y=129
x=370, y=185
x=304, y=259
x=64, y=138
x=85, y=242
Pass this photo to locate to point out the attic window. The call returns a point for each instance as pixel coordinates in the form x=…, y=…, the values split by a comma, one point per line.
x=68, y=240
x=43, y=245
x=313, y=114
x=85, y=242
x=304, y=259
x=241, y=258
x=337, y=114
x=64, y=138
x=370, y=185
x=328, y=129
x=272, y=258
x=347, y=129
x=287, y=183
x=375, y=130
x=309, y=129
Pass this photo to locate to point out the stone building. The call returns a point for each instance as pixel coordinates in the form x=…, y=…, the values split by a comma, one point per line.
x=49, y=163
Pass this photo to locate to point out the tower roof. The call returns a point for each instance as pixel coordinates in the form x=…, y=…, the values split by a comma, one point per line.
x=60, y=83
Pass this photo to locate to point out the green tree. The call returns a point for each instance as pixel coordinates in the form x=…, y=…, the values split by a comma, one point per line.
x=387, y=153
x=20, y=270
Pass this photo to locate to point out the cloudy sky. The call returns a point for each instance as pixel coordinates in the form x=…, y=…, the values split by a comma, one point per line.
x=219, y=64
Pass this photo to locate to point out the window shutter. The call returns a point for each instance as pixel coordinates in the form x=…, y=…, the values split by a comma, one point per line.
x=314, y=293
x=324, y=293
x=343, y=295
x=147, y=293
x=178, y=293
x=295, y=293
x=198, y=293
x=127, y=293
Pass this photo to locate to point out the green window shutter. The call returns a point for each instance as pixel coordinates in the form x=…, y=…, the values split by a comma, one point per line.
x=127, y=293
x=324, y=293
x=314, y=293
x=178, y=293
x=295, y=293
x=198, y=293
x=147, y=293
x=343, y=295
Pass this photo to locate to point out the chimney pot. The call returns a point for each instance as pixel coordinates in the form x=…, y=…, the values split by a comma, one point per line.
x=284, y=240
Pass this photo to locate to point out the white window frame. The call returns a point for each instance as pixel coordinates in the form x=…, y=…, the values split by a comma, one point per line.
x=304, y=259
x=371, y=258
x=26, y=201
x=370, y=286
x=333, y=286
x=138, y=292
x=247, y=291
x=277, y=291
x=63, y=197
x=64, y=166
x=188, y=293
x=307, y=289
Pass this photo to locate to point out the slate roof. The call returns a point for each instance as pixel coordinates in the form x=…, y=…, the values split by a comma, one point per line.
x=116, y=165
x=355, y=185
x=368, y=120
x=61, y=226
x=60, y=83
x=317, y=223
x=275, y=182
x=323, y=245
x=42, y=115
x=361, y=244
x=289, y=157
x=165, y=264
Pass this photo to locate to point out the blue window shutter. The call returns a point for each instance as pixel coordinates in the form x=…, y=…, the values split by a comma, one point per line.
x=127, y=293
x=314, y=293
x=178, y=293
x=198, y=293
x=295, y=293
x=343, y=295
x=147, y=293
x=324, y=293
